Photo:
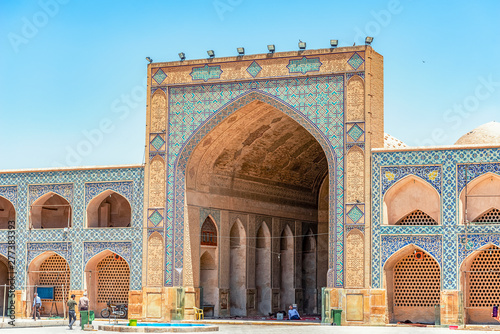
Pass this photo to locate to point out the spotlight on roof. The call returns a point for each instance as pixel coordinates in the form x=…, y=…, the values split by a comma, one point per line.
x=211, y=53
x=149, y=59
x=334, y=43
x=271, y=48
x=368, y=40
x=182, y=56
x=302, y=45
x=241, y=51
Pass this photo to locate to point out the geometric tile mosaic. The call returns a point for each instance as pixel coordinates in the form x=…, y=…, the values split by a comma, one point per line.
x=253, y=69
x=355, y=132
x=444, y=170
x=355, y=61
x=78, y=187
x=158, y=142
x=304, y=65
x=9, y=193
x=316, y=103
x=390, y=244
x=155, y=218
x=159, y=76
x=355, y=214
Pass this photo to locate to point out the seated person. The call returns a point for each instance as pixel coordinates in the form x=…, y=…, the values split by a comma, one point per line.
x=293, y=314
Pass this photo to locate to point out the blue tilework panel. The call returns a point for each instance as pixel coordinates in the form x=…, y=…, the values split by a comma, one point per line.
x=304, y=65
x=316, y=103
x=390, y=244
x=469, y=244
x=206, y=72
x=355, y=61
x=254, y=69
x=159, y=76
x=78, y=186
x=9, y=193
x=441, y=169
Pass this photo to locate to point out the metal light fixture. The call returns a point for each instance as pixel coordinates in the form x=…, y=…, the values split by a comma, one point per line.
x=368, y=40
x=271, y=48
x=241, y=51
x=211, y=53
x=182, y=56
x=149, y=59
x=302, y=45
x=334, y=43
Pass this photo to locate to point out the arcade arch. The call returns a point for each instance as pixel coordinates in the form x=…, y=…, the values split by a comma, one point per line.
x=51, y=270
x=412, y=279
x=107, y=278
x=7, y=213
x=4, y=280
x=412, y=201
x=258, y=162
x=480, y=284
x=482, y=204
x=109, y=209
x=50, y=211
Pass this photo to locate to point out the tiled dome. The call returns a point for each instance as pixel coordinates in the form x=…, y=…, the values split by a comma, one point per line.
x=393, y=142
x=488, y=133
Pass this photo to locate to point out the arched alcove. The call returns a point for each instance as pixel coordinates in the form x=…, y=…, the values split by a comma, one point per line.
x=237, y=269
x=483, y=197
x=263, y=269
x=412, y=279
x=4, y=280
x=208, y=233
x=107, y=278
x=50, y=270
x=209, y=278
x=408, y=195
x=309, y=273
x=50, y=211
x=287, y=268
x=109, y=209
x=7, y=213
x=480, y=284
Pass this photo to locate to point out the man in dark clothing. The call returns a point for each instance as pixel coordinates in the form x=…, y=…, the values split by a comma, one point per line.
x=71, y=311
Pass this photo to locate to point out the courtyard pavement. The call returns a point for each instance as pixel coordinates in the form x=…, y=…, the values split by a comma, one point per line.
x=244, y=329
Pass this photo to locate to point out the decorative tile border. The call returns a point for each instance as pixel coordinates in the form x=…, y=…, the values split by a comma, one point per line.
x=195, y=110
x=206, y=73
x=390, y=244
x=10, y=194
x=124, y=188
x=64, y=190
x=473, y=171
x=391, y=175
x=304, y=65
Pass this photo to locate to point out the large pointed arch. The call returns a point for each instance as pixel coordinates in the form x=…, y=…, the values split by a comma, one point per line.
x=181, y=174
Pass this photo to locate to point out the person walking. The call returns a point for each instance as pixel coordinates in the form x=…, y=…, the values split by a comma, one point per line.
x=37, y=303
x=71, y=311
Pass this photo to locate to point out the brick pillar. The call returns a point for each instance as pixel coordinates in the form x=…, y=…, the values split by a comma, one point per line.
x=449, y=307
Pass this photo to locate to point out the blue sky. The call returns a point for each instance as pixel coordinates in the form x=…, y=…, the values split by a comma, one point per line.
x=68, y=66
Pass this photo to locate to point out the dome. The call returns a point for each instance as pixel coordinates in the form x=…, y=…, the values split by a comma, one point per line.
x=488, y=133
x=393, y=142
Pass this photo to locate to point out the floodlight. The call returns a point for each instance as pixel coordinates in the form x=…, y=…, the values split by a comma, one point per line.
x=302, y=45
x=334, y=43
x=149, y=59
x=241, y=51
x=182, y=56
x=211, y=53
x=271, y=48
x=368, y=40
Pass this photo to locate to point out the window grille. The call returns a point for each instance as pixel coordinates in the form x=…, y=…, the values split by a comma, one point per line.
x=417, y=217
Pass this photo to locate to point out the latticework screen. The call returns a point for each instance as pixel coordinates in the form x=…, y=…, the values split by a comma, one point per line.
x=113, y=280
x=490, y=216
x=54, y=271
x=417, y=282
x=483, y=279
x=417, y=217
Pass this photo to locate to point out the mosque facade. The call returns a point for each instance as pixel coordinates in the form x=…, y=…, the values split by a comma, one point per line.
x=268, y=181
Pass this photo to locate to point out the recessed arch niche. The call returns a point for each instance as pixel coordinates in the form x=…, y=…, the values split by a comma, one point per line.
x=109, y=209
x=7, y=213
x=483, y=200
x=50, y=211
